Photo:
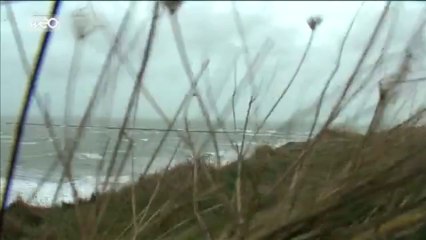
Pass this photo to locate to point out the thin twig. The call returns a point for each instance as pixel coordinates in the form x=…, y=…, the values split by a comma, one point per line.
x=19, y=128
x=334, y=71
x=238, y=183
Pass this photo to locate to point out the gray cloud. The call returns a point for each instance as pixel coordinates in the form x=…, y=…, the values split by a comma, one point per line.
x=210, y=32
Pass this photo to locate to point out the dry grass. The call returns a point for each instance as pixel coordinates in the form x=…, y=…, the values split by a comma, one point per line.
x=385, y=192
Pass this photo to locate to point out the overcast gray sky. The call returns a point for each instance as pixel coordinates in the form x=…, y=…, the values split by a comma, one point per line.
x=210, y=33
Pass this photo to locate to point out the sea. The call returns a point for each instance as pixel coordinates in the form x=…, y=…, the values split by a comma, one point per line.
x=38, y=172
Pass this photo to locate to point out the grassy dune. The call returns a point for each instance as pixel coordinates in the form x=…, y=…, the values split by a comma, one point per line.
x=384, y=196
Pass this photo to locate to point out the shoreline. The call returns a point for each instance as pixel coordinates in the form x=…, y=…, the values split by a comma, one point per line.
x=262, y=169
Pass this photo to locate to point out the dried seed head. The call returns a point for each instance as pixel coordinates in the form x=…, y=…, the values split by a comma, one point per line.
x=172, y=6
x=86, y=21
x=314, y=22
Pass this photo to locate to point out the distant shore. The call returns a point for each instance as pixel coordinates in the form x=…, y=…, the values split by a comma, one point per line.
x=167, y=196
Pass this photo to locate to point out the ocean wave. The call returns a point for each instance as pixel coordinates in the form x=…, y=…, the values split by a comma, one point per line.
x=49, y=139
x=92, y=156
x=97, y=131
x=86, y=186
x=29, y=143
x=6, y=137
x=31, y=156
x=9, y=139
x=226, y=156
x=280, y=142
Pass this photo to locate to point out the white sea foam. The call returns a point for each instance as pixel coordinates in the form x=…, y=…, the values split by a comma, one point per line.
x=49, y=139
x=93, y=156
x=29, y=143
x=226, y=156
x=5, y=137
x=30, y=156
x=85, y=186
x=9, y=139
x=280, y=142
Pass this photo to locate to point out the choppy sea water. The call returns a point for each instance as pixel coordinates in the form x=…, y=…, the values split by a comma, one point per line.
x=38, y=158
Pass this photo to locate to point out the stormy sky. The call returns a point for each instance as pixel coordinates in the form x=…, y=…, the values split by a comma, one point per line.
x=210, y=32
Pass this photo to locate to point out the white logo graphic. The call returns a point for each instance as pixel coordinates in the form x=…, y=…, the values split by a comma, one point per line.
x=42, y=22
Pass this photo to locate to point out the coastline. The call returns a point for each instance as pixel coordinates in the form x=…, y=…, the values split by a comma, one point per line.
x=263, y=201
